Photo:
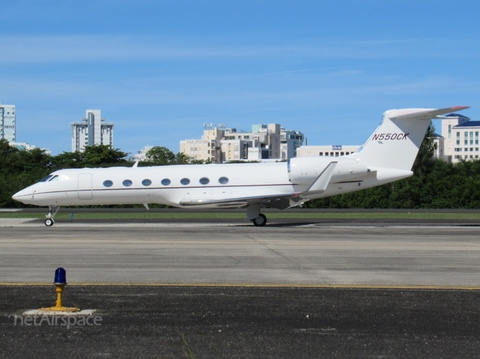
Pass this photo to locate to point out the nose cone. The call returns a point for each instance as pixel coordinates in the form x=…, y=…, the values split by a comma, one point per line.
x=24, y=195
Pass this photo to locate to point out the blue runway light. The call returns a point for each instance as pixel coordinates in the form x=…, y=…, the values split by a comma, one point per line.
x=60, y=276
x=60, y=282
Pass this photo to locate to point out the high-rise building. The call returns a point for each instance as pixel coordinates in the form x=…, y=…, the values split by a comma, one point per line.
x=8, y=128
x=93, y=131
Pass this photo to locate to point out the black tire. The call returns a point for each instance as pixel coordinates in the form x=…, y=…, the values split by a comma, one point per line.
x=49, y=222
x=260, y=221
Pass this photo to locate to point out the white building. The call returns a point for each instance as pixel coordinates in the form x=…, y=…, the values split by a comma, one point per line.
x=219, y=144
x=208, y=148
x=8, y=127
x=142, y=154
x=26, y=146
x=93, y=131
x=459, y=140
x=326, y=150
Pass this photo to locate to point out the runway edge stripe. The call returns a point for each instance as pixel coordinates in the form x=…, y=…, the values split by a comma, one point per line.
x=247, y=285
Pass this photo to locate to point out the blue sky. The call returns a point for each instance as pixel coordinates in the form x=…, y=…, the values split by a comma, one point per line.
x=161, y=69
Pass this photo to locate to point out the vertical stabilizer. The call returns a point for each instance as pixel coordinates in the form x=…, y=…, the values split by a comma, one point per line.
x=396, y=141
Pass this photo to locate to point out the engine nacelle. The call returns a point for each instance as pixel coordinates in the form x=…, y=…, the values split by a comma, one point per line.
x=303, y=171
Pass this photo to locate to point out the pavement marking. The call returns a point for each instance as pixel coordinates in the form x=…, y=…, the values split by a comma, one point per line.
x=16, y=223
x=254, y=285
x=41, y=312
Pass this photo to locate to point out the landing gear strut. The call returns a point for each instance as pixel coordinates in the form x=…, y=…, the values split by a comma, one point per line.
x=261, y=220
x=52, y=211
x=253, y=214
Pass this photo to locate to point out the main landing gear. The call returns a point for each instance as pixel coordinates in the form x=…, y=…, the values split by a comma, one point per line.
x=52, y=211
x=253, y=214
x=261, y=220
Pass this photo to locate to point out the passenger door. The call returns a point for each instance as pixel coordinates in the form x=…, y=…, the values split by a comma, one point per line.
x=85, y=186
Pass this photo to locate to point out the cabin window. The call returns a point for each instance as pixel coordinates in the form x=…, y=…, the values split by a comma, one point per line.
x=127, y=183
x=185, y=181
x=146, y=182
x=54, y=178
x=108, y=183
x=166, y=181
x=204, y=180
x=223, y=180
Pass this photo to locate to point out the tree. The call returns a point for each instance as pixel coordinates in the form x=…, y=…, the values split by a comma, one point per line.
x=160, y=156
x=424, y=161
x=68, y=160
x=19, y=169
x=92, y=156
x=102, y=156
x=182, y=159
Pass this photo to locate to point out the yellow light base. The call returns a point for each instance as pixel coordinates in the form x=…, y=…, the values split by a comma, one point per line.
x=58, y=305
x=61, y=309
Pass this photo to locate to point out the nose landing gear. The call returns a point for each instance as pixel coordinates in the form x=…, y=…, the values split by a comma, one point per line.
x=52, y=211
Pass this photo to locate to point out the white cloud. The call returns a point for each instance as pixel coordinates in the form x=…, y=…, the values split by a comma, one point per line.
x=77, y=48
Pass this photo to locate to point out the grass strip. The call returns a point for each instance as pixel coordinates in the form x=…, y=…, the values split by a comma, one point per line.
x=235, y=215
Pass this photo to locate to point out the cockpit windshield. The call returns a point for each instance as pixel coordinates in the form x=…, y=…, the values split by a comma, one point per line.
x=46, y=178
x=49, y=178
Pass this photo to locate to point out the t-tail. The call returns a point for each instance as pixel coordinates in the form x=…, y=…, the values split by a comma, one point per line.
x=396, y=141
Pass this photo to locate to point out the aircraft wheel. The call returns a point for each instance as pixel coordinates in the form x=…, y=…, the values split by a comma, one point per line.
x=260, y=221
x=49, y=222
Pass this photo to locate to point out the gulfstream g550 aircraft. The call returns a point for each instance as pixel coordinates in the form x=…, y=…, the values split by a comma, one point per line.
x=387, y=156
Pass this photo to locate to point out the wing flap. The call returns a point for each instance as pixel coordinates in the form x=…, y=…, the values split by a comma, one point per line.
x=280, y=201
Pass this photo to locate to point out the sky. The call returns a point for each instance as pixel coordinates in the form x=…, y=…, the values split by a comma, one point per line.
x=162, y=69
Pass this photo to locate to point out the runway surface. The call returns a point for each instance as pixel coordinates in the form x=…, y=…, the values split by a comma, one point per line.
x=209, y=252
x=227, y=289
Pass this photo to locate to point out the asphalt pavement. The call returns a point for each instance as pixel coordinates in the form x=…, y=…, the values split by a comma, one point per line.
x=243, y=322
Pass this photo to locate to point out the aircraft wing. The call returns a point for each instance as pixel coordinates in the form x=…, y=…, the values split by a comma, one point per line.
x=280, y=201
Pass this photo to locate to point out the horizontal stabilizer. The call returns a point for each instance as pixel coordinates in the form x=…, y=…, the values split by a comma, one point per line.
x=428, y=114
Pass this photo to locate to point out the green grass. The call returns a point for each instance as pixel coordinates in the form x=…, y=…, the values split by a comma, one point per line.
x=235, y=215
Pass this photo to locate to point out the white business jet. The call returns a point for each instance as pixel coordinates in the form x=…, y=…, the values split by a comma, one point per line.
x=387, y=156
